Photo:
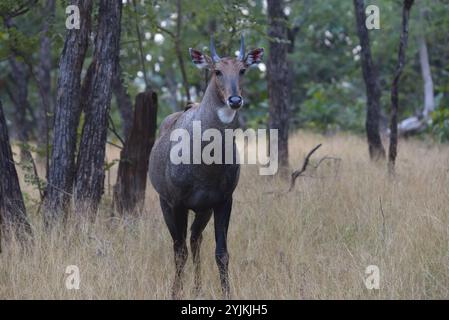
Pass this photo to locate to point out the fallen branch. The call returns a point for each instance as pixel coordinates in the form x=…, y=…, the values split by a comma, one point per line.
x=305, y=165
x=297, y=173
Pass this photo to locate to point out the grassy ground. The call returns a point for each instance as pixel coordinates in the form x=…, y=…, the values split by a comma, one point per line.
x=312, y=243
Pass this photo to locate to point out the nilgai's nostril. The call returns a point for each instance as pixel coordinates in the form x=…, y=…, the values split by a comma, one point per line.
x=235, y=101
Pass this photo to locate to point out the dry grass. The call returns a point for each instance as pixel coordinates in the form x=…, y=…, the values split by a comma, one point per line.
x=312, y=243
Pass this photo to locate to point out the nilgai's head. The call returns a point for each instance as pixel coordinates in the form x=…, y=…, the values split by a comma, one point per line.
x=227, y=72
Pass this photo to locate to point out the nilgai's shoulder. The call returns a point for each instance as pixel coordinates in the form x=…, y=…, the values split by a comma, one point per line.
x=168, y=123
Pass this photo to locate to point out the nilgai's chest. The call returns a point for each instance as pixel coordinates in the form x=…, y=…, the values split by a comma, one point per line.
x=204, y=186
x=220, y=177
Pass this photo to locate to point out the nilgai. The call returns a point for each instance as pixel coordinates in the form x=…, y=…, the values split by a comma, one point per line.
x=202, y=188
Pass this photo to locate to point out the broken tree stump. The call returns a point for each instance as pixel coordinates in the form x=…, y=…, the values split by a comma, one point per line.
x=129, y=191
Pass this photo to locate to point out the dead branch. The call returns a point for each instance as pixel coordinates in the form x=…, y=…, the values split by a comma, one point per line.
x=297, y=173
x=114, y=145
x=113, y=129
x=300, y=173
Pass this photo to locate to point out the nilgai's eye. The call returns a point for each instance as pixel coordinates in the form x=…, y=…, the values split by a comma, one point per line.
x=218, y=73
x=242, y=72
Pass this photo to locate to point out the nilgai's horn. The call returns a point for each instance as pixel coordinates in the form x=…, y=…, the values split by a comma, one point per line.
x=242, y=48
x=214, y=54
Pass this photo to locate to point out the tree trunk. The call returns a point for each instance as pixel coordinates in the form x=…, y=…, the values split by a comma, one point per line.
x=419, y=122
x=392, y=152
x=429, y=98
x=373, y=93
x=124, y=102
x=279, y=77
x=19, y=96
x=67, y=114
x=44, y=76
x=90, y=174
x=12, y=208
x=129, y=192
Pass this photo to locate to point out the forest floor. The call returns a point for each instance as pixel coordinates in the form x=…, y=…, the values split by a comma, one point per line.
x=312, y=243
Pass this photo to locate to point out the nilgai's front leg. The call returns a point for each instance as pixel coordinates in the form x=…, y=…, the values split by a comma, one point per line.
x=176, y=220
x=222, y=214
x=198, y=225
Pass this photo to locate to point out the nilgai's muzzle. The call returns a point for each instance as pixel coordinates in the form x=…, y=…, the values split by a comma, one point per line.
x=235, y=102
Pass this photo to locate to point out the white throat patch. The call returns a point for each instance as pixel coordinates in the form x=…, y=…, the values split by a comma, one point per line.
x=226, y=114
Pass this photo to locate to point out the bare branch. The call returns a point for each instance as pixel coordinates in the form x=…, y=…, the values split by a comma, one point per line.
x=305, y=165
x=113, y=129
x=297, y=173
x=114, y=145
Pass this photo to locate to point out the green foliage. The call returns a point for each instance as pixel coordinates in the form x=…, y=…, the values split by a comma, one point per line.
x=440, y=124
x=328, y=89
x=320, y=111
x=16, y=41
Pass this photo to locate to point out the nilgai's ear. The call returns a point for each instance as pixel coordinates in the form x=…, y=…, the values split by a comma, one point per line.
x=199, y=59
x=254, y=57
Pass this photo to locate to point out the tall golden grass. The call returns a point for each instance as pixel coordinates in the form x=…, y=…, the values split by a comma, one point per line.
x=312, y=243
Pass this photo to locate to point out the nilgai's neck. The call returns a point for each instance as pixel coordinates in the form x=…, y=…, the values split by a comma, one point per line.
x=210, y=106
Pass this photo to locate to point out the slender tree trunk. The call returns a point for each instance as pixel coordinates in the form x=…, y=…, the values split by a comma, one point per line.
x=124, y=102
x=418, y=122
x=140, y=43
x=279, y=77
x=12, y=208
x=179, y=53
x=90, y=174
x=429, y=98
x=129, y=192
x=392, y=152
x=67, y=114
x=373, y=93
x=171, y=84
x=44, y=77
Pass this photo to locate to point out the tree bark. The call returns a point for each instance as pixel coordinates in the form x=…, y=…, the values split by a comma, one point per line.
x=44, y=76
x=392, y=152
x=124, y=103
x=12, y=207
x=67, y=114
x=373, y=93
x=279, y=77
x=90, y=174
x=129, y=192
